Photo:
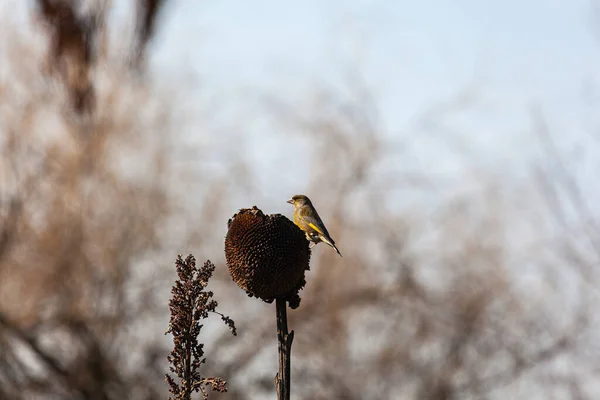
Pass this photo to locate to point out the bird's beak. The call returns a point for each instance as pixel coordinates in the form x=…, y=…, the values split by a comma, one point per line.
x=290, y=201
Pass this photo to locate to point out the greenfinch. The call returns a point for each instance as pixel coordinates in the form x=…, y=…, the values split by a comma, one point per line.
x=307, y=219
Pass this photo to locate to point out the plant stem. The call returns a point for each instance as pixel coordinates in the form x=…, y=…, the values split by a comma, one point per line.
x=188, y=352
x=284, y=347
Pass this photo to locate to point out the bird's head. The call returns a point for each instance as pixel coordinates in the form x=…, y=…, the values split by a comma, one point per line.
x=299, y=200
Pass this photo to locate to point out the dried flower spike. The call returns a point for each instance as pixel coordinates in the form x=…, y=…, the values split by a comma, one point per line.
x=189, y=304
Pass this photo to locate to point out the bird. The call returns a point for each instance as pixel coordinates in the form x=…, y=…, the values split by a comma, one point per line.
x=307, y=219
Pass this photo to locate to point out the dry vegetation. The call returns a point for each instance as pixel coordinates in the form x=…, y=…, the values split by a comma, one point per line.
x=489, y=294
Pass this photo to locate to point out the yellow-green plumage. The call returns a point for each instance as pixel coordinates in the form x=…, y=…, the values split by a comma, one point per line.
x=307, y=219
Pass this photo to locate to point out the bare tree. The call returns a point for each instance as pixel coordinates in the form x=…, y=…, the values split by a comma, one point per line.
x=85, y=185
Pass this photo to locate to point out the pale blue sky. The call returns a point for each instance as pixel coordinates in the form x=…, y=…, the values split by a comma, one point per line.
x=527, y=49
x=413, y=54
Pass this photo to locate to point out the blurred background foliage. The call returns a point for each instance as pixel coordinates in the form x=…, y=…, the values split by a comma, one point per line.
x=474, y=288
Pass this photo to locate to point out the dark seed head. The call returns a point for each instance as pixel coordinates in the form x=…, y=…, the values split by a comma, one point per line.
x=267, y=255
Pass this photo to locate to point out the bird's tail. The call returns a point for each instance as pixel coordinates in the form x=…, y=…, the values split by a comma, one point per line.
x=336, y=249
x=330, y=243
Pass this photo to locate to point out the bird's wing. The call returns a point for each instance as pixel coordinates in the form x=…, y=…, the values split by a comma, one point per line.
x=317, y=225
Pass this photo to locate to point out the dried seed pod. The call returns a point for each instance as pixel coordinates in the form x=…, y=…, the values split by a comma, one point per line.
x=267, y=255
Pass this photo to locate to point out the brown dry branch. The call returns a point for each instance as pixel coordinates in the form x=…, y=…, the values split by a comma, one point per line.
x=73, y=47
x=77, y=40
x=148, y=12
x=189, y=304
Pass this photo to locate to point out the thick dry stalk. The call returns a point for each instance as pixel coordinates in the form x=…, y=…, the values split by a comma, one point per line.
x=284, y=346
